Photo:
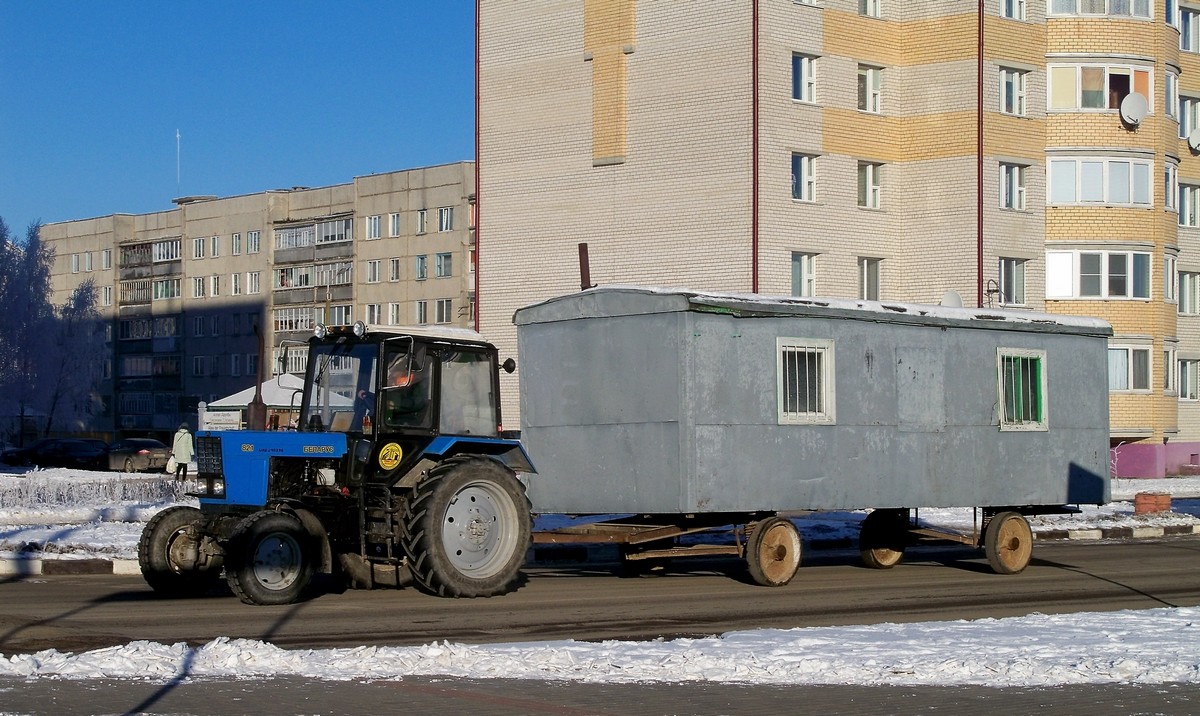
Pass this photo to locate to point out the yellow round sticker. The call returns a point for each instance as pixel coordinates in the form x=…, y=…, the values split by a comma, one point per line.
x=390, y=455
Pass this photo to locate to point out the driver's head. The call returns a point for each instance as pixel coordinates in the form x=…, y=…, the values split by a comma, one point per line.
x=400, y=375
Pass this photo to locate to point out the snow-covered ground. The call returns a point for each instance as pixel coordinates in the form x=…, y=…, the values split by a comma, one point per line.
x=74, y=514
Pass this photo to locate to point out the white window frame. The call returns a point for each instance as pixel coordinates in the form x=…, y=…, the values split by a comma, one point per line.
x=870, y=185
x=1012, y=91
x=394, y=269
x=253, y=242
x=235, y=284
x=1188, y=385
x=421, y=267
x=786, y=372
x=199, y=283
x=216, y=246
x=372, y=313
x=870, y=89
x=235, y=244
x=1188, y=293
x=373, y=271
x=804, y=274
x=373, y=227
x=804, y=78
x=804, y=177
x=444, y=310
x=1170, y=387
x=1171, y=95
x=422, y=219
x=394, y=314
x=1189, y=205
x=421, y=315
x=1012, y=281
x=1012, y=9
x=1012, y=186
x=1189, y=115
x=1056, y=73
x=1171, y=186
x=1189, y=29
x=1058, y=8
x=1170, y=279
x=1130, y=378
x=1039, y=422
x=198, y=246
x=106, y=260
x=253, y=282
x=445, y=219
x=106, y=295
x=870, y=8
x=394, y=224
x=443, y=265
x=1058, y=262
x=870, y=278
x=1138, y=176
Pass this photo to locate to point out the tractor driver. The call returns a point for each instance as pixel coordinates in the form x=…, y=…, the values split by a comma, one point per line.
x=405, y=393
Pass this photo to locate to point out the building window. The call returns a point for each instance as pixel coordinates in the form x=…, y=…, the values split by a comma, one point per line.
x=1097, y=274
x=1171, y=95
x=214, y=325
x=442, y=265
x=804, y=274
x=805, y=384
x=373, y=313
x=868, y=279
x=373, y=227
x=253, y=242
x=1189, y=293
x=804, y=177
x=1169, y=371
x=1012, y=9
x=1189, y=116
x=804, y=78
x=198, y=248
x=1128, y=369
x=421, y=270
x=394, y=224
x=1116, y=8
x=166, y=288
x=335, y=230
x=869, y=185
x=444, y=310
x=1170, y=186
x=870, y=8
x=1189, y=29
x=235, y=245
x=1012, y=91
x=1012, y=186
x=235, y=364
x=393, y=314
x=1189, y=205
x=167, y=250
x=422, y=221
x=87, y=261
x=197, y=326
x=74, y=263
x=393, y=269
x=1075, y=87
x=1119, y=182
x=1022, y=377
x=1170, y=279
x=293, y=319
x=198, y=285
x=216, y=246
x=341, y=315
x=446, y=218
x=373, y=271
x=1012, y=282
x=106, y=260
x=870, y=83
x=1189, y=379
x=235, y=284
x=253, y=282
x=106, y=295
x=216, y=285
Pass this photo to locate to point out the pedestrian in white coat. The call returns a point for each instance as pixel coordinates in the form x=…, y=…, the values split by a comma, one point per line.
x=182, y=450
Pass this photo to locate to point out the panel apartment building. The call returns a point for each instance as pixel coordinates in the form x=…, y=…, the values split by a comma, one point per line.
x=184, y=293
x=874, y=149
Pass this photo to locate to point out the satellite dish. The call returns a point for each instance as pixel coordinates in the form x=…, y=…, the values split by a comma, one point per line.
x=1134, y=108
x=1193, y=140
x=951, y=299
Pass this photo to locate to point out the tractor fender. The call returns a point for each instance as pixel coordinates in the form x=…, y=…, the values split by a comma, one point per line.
x=316, y=529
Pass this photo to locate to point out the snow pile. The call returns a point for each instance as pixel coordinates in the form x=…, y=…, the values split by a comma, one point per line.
x=1133, y=647
x=62, y=487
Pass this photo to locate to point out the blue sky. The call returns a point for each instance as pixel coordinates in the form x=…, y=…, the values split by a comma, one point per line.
x=264, y=94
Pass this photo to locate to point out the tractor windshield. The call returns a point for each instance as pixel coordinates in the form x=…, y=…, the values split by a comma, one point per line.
x=339, y=396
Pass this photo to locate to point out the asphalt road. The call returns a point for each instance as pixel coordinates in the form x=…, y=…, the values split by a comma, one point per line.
x=76, y=613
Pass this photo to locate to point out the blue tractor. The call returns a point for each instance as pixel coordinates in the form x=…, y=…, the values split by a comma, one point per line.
x=398, y=468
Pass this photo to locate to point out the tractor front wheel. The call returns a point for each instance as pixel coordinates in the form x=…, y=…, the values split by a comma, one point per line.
x=269, y=559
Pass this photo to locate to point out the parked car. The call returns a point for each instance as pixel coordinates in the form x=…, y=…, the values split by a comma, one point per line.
x=137, y=454
x=84, y=453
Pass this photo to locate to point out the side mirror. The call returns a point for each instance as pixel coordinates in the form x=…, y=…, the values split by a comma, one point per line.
x=509, y=365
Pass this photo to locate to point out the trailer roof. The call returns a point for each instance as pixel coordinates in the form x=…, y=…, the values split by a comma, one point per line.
x=622, y=300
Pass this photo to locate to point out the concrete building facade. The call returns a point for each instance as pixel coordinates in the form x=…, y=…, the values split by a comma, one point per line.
x=192, y=296
x=1023, y=153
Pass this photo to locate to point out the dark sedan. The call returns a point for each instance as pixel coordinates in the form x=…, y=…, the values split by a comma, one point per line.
x=82, y=453
x=137, y=454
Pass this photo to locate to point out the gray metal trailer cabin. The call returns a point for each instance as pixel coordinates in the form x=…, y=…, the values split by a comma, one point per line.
x=659, y=401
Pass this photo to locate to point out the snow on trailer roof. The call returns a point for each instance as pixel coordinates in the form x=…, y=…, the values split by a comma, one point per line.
x=622, y=300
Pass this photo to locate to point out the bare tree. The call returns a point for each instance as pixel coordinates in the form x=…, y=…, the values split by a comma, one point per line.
x=70, y=368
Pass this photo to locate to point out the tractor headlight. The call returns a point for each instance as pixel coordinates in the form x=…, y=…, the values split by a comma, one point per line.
x=321, y=331
x=216, y=487
x=360, y=329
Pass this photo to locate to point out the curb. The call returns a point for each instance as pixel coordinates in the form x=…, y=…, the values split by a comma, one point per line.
x=557, y=555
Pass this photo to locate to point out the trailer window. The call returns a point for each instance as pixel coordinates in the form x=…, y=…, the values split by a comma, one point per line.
x=1022, y=376
x=805, y=382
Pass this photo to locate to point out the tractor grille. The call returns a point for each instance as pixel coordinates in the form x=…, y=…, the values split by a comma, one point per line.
x=208, y=455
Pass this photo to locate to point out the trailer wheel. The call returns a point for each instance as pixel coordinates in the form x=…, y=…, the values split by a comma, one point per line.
x=882, y=538
x=269, y=558
x=168, y=554
x=773, y=552
x=1008, y=543
x=467, y=527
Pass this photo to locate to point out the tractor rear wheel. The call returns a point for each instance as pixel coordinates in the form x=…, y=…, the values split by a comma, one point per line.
x=467, y=528
x=170, y=557
x=269, y=559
